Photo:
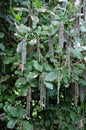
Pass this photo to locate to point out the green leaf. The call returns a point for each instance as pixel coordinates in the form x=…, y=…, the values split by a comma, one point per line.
x=31, y=76
x=24, y=29
x=47, y=123
x=83, y=29
x=51, y=76
x=39, y=30
x=18, y=15
x=1, y=35
x=21, y=111
x=27, y=126
x=9, y=60
x=24, y=90
x=36, y=3
x=77, y=70
x=12, y=111
x=76, y=53
x=19, y=47
x=72, y=116
x=28, y=69
x=82, y=82
x=48, y=85
x=2, y=47
x=46, y=66
x=37, y=66
x=65, y=76
x=33, y=42
x=11, y=124
x=20, y=81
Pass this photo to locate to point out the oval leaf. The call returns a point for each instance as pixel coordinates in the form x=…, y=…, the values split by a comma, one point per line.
x=51, y=76
x=37, y=66
x=11, y=124
x=48, y=85
x=20, y=81
x=31, y=76
x=1, y=35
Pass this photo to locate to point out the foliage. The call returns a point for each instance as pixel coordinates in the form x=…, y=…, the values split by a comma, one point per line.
x=42, y=65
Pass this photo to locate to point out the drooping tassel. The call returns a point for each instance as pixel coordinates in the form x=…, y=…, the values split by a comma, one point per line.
x=58, y=86
x=20, y=125
x=10, y=2
x=30, y=22
x=61, y=36
x=51, y=42
x=81, y=124
x=38, y=49
x=82, y=93
x=68, y=61
x=51, y=48
x=23, y=54
x=85, y=10
x=28, y=100
x=76, y=93
x=77, y=19
x=82, y=89
x=42, y=93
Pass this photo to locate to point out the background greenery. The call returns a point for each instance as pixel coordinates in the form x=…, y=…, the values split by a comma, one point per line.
x=42, y=84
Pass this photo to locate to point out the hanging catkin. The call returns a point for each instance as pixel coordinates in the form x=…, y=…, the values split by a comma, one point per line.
x=51, y=43
x=76, y=93
x=85, y=10
x=28, y=100
x=38, y=49
x=20, y=125
x=30, y=22
x=68, y=61
x=81, y=93
x=51, y=49
x=81, y=124
x=42, y=93
x=77, y=19
x=58, y=86
x=82, y=89
x=23, y=54
x=61, y=36
x=10, y=2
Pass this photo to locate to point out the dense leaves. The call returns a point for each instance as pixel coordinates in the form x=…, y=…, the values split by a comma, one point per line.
x=42, y=60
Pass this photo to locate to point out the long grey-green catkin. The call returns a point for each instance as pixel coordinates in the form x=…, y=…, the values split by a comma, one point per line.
x=61, y=36
x=28, y=100
x=23, y=54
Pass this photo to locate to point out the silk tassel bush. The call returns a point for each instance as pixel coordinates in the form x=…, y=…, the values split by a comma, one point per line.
x=42, y=93
x=61, y=36
x=28, y=100
x=76, y=93
x=85, y=10
x=68, y=60
x=38, y=49
x=23, y=54
x=20, y=125
x=58, y=86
